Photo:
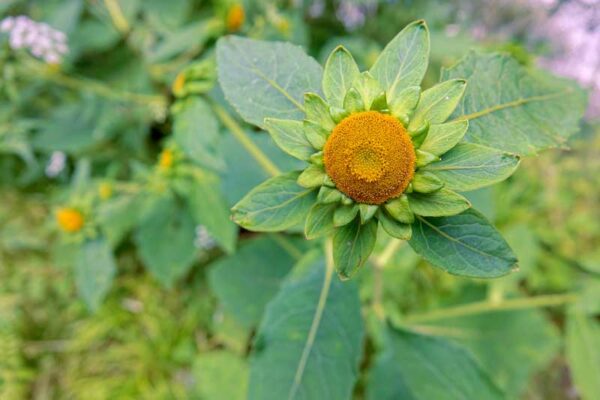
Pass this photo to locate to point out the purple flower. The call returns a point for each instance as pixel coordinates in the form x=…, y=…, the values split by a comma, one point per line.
x=42, y=41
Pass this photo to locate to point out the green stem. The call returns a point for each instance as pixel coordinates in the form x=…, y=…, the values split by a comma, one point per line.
x=245, y=141
x=487, y=306
x=379, y=263
x=116, y=14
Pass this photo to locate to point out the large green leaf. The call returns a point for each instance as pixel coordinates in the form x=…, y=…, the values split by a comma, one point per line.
x=470, y=166
x=246, y=281
x=289, y=136
x=512, y=108
x=266, y=79
x=219, y=375
x=418, y=367
x=583, y=353
x=277, y=204
x=308, y=345
x=207, y=205
x=196, y=131
x=165, y=239
x=95, y=270
x=403, y=62
x=352, y=245
x=464, y=244
x=339, y=75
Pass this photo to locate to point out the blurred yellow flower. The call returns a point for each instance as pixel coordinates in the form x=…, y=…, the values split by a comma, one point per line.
x=178, y=84
x=105, y=190
x=235, y=17
x=69, y=219
x=165, y=159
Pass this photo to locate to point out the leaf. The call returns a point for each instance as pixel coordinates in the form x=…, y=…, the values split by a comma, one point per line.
x=289, y=136
x=440, y=203
x=117, y=216
x=464, y=244
x=418, y=367
x=443, y=137
x=395, y=228
x=515, y=109
x=274, y=205
x=220, y=374
x=511, y=345
x=319, y=221
x=165, y=240
x=309, y=343
x=339, y=75
x=437, y=103
x=208, y=207
x=95, y=269
x=266, y=79
x=247, y=280
x=196, y=132
x=470, y=166
x=583, y=353
x=352, y=245
x=403, y=62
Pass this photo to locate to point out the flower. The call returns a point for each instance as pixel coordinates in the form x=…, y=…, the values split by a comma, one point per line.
x=165, y=159
x=178, y=84
x=203, y=239
x=105, y=190
x=378, y=151
x=43, y=41
x=69, y=219
x=56, y=164
x=235, y=17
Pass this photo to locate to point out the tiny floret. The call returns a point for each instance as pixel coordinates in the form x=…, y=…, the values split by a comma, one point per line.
x=165, y=159
x=69, y=219
x=235, y=18
x=370, y=157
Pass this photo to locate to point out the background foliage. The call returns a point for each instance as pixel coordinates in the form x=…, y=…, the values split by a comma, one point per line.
x=161, y=297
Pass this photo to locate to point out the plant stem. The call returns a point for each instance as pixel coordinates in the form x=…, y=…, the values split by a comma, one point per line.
x=116, y=14
x=482, y=307
x=379, y=263
x=245, y=141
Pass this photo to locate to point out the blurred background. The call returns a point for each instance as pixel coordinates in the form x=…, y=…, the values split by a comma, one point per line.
x=101, y=99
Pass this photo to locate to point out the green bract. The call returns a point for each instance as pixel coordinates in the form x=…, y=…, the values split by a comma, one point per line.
x=379, y=151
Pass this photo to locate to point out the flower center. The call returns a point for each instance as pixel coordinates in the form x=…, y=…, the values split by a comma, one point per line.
x=370, y=157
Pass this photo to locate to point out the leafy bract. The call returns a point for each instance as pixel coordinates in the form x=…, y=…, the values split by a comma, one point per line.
x=289, y=136
x=404, y=60
x=339, y=75
x=437, y=103
x=515, y=109
x=352, y=245
x=95, y=270
x=266, y=79
x=464, y=244
x=308, y=345
x=443, y=137
x=418, y=367
x=470, y=166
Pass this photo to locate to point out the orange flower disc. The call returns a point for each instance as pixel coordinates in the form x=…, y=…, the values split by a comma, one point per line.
x=370, y=157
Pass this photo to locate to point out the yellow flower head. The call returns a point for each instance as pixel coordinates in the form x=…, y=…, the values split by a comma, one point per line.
x=69, y=219
x=178, y=83
x=370, y=157
x=165, y=159
x=235, y=17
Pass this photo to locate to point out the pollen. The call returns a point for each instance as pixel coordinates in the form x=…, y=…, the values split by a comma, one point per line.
x=370, y=157
x=235, y=17
x=69, y=219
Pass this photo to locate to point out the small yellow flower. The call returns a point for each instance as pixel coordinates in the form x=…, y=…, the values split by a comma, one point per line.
x=235, y=17
x=370, y=157
x=105, y=190
x=69, y=219
x=165, y=159
x=178, y=84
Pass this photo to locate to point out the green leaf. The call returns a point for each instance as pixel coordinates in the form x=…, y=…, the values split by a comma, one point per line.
x=464, y=244
x=289, y=136
x=318, y=111
x=118, y=215
x=368, y=87
x=583, y=353
x=312, y=176
x=254, y=272
x=406, y=102
x=266, y=79
x=315, y=134
x=528, y=112
x=339, y=75
x=440, y=203
x=196, y=131
x=276, y=204
x=95, y=269
x=470, y=166
x=319, y=221
x=399, y=209
x=437, y=103
x=220, y=374
x=309, y=343
x=165, y=239
x=352, y=245
x=344, y=214
x=426, y=182
x=394, y=228
x=418, y=367
x=403, y=62
x=443, y=137
x=353, y=102
x=209, y=208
